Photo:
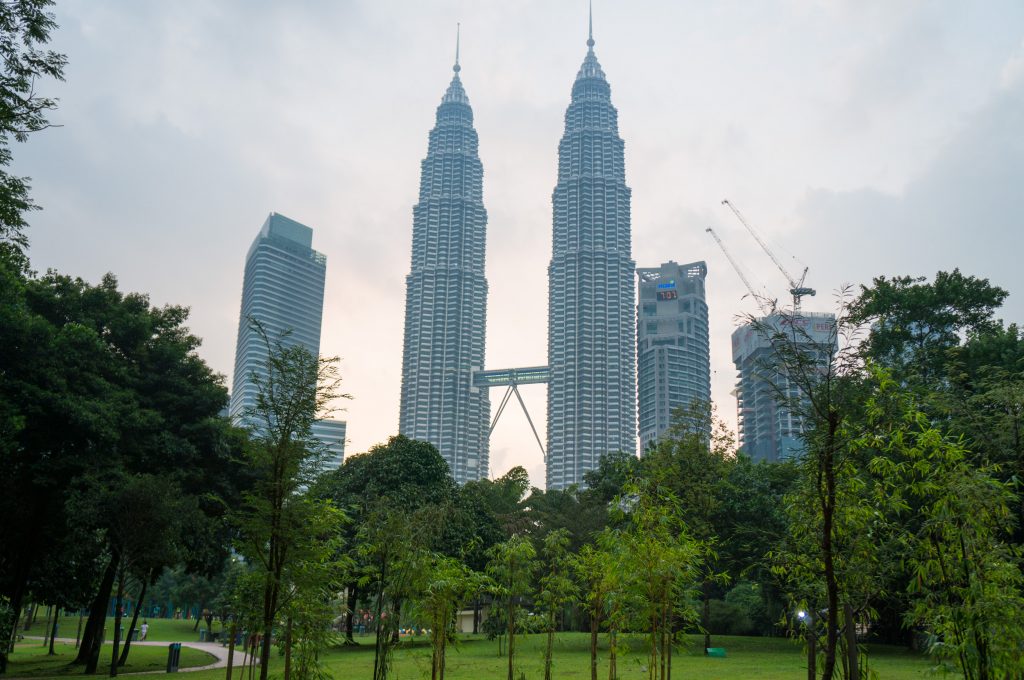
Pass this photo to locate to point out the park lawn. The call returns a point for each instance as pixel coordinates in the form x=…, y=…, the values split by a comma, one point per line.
x=30, y=660
x=768, y=658
x=168, y=630
x=476, y=658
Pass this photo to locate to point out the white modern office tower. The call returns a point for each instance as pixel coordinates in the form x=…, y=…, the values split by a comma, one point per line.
x=446, y=296
x=769, y=428
x=283, y=289
x=673, y=349
x=591, y=303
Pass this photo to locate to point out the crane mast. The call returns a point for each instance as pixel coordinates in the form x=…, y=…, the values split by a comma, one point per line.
x=743, y=277
x=796, y=288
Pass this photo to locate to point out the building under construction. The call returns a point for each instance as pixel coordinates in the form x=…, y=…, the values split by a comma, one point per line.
x=769, y=405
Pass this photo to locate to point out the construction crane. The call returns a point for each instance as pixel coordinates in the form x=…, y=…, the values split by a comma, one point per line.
x=796, y=288
x=765, y=308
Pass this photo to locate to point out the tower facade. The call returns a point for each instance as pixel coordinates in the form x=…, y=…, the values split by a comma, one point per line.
x=770, y=429
x=283, y=288
x=673, y=349
x=446, y=296
x=591, y=314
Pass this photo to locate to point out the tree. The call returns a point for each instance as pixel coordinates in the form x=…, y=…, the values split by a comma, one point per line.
x=445, y=584
x=915, y=323
x=661, y=562
x=690, y=462
x=557, y=588
x=24, y=28
x=752, y=523
x=292, y=391
x=314, y=575
x=511, y=567
x=967, y=589
x=819, y=381
x=403, y=476
x=593, y=566
x=106, y=387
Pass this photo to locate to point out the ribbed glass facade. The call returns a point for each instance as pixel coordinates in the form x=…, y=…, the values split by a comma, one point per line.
x=446, y=296
x=283, y=288
x=673, y=348
x=591, y=314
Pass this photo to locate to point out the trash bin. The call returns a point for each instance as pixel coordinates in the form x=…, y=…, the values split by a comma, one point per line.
x=173, y=657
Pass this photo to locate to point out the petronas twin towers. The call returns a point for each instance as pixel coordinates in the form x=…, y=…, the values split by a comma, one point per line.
x=591, y=313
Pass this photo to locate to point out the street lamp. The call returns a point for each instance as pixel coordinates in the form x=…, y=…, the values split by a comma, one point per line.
x=812, y=639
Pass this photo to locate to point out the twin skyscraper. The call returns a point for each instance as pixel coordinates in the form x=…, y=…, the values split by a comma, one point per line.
x=592, y=393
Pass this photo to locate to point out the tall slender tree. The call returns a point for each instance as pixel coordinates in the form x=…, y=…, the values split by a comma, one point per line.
x=294, y=388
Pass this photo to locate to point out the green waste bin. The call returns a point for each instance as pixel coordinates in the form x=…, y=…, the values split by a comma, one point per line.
x=173, y=657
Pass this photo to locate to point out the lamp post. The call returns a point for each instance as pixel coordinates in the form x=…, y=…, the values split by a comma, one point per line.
x=812, y=639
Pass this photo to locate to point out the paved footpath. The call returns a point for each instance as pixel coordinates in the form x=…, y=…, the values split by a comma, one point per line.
x=214, y=648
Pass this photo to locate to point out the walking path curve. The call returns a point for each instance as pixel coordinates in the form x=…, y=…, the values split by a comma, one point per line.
x=220, y=653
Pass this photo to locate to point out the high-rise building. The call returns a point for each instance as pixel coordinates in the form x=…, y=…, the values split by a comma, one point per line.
x=673, y=356
x=591, y=314
x=283, y=289
x=769, y=427
x=446, y=295
x=331, y=435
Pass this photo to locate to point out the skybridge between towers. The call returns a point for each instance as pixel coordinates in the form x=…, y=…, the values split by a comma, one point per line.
x=511, y=378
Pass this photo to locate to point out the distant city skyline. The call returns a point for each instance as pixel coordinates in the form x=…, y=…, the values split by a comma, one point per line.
x=864, y=139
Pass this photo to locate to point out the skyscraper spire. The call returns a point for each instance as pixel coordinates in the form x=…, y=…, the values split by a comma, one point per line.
x=458, y=28
x=455, y=92
x=591, y=288
x=446, y=295
x=590, y=32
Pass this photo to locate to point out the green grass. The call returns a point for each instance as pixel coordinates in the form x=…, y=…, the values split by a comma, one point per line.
x=168, y=630
x=30, y=660
x=476, y=659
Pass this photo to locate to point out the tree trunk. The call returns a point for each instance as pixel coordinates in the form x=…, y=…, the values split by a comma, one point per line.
x=135, y=620
x=270, y=595
x=231, y=648
x=706, y=616
x=288, y=650
x=511, y=637
x=352, y=601
x=92, y=638
x=397, y=621
x=378, y=624
x=853, y=659
x=613, y=653
x=828, y=503
x=595, y=624
x=812, y=649
x=549, y=648
x=17, y=600
x=476, y=615
x=53, y=630
x=118, y=600
x=46, y=628
x=199, y=616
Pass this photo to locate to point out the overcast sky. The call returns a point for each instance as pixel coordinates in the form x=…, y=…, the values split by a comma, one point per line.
x=863, y=137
